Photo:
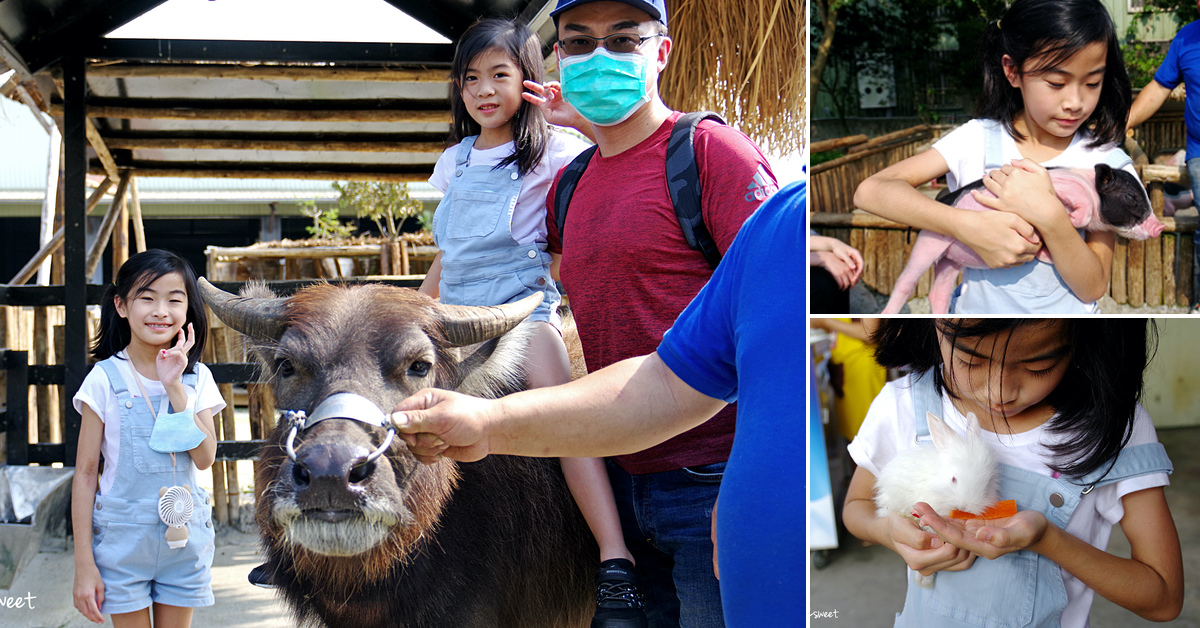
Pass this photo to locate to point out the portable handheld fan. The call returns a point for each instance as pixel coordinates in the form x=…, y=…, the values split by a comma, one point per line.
x=175, y=509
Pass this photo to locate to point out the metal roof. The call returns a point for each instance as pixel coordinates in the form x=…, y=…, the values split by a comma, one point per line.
x=249, y=109
x=23, y=171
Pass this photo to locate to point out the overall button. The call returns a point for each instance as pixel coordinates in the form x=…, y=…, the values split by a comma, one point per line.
x=128, y=404
x=1056, y=500
x=208, y=524
x=99, y=506
x=96, y=531
x=458, y=173
x=532, y=254
x=513, y=176
x=541, y=281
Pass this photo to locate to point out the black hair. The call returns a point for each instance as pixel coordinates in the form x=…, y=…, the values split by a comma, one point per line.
x=1053, y=30
x=1095, y=401
x=137, y=273
x=529, y=128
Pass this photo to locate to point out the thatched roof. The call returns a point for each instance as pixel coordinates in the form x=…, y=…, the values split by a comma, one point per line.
x=744, y=59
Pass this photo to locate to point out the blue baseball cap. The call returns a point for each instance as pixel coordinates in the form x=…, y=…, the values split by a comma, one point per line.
x=656, y=8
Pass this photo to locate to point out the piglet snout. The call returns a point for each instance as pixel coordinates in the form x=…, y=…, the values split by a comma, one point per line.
x=1149, y=228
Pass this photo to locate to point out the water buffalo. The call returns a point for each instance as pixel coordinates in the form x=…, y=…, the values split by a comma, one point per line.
x=360, y=533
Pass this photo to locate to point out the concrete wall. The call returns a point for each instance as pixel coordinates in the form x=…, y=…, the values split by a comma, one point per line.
x=1172, y=393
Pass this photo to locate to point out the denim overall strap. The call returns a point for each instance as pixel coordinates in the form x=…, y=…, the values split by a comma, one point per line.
x=1117, y=159
x=925, y=399
x=1022, y=588
x=141, y=471
x=481, y=262
x=993, y=145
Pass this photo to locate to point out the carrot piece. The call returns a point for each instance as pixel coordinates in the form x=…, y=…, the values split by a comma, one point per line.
x=998, y=510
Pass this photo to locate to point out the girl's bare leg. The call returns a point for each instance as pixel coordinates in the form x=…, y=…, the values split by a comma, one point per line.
x=548, y=365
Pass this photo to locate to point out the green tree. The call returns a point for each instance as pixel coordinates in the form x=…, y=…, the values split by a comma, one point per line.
x=326, y=224
x=388, y=204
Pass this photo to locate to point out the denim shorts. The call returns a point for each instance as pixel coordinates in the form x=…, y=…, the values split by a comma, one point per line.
x=130, y=548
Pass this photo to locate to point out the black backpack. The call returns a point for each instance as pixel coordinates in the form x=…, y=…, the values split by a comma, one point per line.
x=683, y=181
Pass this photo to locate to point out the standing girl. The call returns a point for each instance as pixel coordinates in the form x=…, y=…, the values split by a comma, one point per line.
x=148, y=410
x=1055, y=93
x=491, y=231
x=1058, y=402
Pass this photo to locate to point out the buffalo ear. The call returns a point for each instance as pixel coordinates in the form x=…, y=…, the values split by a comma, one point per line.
x=262, y=318
x=467, y=325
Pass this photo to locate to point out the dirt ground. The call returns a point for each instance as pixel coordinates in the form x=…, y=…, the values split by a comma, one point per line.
x=44, y=589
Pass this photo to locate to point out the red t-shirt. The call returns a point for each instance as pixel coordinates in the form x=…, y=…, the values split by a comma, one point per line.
x=629, y=272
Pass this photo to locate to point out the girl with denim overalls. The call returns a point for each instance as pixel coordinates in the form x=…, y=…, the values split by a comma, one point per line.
x=1058, y=403
x=491, y=230
x=1055, y=93
x=147, y=410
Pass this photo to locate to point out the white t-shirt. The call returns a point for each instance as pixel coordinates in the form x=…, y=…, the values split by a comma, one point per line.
x=963, y=151
x=98, y=395
x=529, y=216
x=890, y=427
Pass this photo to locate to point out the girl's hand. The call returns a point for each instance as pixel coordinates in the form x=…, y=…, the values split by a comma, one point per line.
x=548, y=97
x=923, y=551
x=170, y=362
x=89, y=592
x=1023, y=188
x=1000, y=239
x=991, y=538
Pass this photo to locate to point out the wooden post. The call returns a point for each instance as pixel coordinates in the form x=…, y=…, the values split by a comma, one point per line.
x=228, y=431
x=120, y=236
x=220, y=504
x=106, y=227
x=261, y=402
x=47, y=408
x=50, y=202
x=135, y=214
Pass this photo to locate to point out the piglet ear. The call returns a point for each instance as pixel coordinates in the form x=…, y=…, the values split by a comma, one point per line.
x=943, y=436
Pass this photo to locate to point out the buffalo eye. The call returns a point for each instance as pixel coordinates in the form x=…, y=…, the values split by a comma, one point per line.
x=419, y=368
x=284, y=368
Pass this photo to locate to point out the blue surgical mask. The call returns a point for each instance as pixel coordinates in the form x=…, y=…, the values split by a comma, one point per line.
x=605, y=87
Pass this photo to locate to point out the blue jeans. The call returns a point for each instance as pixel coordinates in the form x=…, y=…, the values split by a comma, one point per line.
x=1193, y=168
x=667, y=519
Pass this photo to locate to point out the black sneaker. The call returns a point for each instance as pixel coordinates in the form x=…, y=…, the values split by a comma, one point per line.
x=261, y=576
x=619, y=603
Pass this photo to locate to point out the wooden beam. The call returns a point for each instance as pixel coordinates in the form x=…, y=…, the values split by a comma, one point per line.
x=92, y=134
x=840, y=142
x=268, y=72
x=265, y=115
x=135, y=215
x=106, y=226
x=197, y=143
x=56, y=240
x=318, y=172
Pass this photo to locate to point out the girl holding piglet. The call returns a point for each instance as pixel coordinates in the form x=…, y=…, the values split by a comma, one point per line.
x=1059, y=410
x=1055, y=93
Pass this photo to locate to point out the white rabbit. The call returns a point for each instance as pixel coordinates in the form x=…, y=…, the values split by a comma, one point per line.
x=952, y=473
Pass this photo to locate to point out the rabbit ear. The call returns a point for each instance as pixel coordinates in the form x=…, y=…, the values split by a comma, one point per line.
x=972, y=423
x=943, y=436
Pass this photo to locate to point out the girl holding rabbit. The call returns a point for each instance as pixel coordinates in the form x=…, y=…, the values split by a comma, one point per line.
x=1057, y=401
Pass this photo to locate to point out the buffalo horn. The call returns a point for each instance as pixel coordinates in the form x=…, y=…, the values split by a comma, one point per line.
x=468, y=325
x=258, y=318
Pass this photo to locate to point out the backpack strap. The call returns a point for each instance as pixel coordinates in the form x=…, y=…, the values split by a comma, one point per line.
x=683, y=182
x=566, y=186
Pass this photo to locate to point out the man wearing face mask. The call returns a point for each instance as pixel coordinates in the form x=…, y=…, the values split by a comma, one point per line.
x=629, y=272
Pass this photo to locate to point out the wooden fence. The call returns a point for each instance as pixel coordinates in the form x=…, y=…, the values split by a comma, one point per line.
x=1154, y=272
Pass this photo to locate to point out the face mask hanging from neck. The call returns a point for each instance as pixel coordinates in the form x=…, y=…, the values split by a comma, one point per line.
x=605, y=87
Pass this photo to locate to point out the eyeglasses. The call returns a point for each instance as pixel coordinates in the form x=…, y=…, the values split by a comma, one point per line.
x=619, y=42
